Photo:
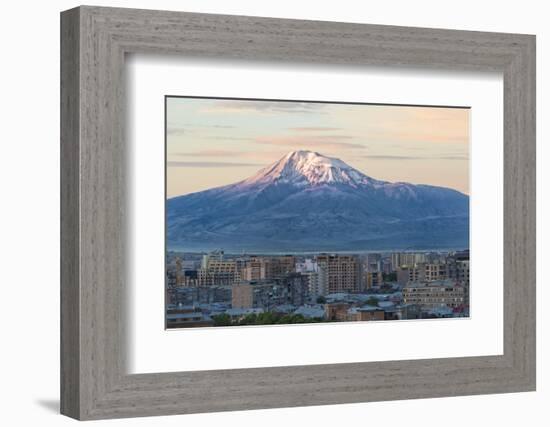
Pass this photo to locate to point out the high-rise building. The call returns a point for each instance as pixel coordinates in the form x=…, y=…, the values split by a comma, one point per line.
x=373, y=262
x=421, y=272
x=206, y=258
x=171, y=278
x=217, y=272
x=279, y=266
x=435, y=271
x=401, y=259
x=463, y=271
x=343, y=272
x=386, y=266
x=412, y=273
x=373, y=278
x=317, y=282
x=179, y=271
x=298, y=288
x=460, y=271
x=254, y=270
x=458, y=267
x=434, y=294
x=308, y=265
x=242, y=296
x=265, y=295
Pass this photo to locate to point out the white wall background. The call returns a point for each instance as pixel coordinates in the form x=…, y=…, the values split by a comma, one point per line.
x=29, y=233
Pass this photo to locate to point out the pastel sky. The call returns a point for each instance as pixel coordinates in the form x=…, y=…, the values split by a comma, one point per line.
x=213, y=142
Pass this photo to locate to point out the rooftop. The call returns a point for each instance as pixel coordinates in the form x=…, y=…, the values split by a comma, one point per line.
x=436, y=283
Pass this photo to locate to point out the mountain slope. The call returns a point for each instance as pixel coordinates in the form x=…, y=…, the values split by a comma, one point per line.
x=309, y=202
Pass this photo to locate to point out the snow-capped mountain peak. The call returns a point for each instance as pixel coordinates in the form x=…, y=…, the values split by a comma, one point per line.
x=309, y=202
x=308, y=167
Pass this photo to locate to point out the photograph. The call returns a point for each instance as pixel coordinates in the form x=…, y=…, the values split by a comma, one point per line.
x=290, y=212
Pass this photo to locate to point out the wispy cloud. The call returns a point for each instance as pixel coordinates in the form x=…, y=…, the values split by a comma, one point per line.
x=208, y=153
x=262, y=156
x=314, y=129
x=453, y=158
x=175, y=131
x=176, y=164
x=384, y=157
x=391, y=157
x=263, y=107
x=408, y=125
x=220, y=127
x=229, y=138
x=209, y=126
x=333, y=142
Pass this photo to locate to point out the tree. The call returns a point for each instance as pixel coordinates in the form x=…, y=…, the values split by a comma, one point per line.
x=292, y=318
x=321, y=299
x=222, y=320
x=266, y=318
x=372, y=301
x=249, y=319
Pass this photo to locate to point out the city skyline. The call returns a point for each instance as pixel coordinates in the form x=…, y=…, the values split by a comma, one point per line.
x=214, y=142
x=218, y=289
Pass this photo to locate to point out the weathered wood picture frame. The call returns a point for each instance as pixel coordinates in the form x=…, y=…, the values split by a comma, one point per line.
x=94, y=381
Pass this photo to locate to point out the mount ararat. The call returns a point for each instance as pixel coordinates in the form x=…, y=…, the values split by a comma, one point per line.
x=307, y=202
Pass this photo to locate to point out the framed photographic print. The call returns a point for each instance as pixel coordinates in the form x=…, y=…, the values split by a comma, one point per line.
x=349, y=208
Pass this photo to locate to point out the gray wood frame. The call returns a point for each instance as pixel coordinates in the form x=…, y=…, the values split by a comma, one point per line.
x=94, y=41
